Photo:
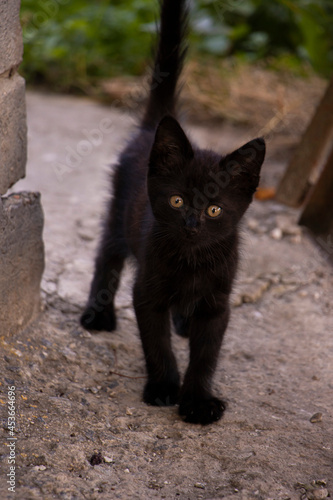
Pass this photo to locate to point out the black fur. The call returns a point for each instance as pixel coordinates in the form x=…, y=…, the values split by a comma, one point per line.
x=186, y=259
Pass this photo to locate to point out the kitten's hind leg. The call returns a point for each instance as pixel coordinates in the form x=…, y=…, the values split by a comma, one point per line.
x=99, y=313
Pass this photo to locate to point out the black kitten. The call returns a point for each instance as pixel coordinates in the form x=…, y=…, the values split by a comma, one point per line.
x=176, y=208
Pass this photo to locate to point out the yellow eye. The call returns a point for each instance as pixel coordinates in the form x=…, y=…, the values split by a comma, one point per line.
x=176, y=201
x=214, y=211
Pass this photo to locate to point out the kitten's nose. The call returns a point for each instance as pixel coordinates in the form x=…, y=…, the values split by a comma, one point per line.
x=192, y=224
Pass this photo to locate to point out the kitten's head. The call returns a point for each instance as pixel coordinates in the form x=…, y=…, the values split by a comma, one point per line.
x=199, y=195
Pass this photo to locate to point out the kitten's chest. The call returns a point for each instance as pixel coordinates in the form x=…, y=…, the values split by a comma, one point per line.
x=193, y=283
x=184, y=288
x=182, y=282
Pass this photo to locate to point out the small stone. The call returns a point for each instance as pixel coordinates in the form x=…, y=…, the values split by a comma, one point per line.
x=86, y=231
x=127, y=471
x=246, y=455
x=256, y=226
x=69, y=354
x=280, y=290
x=317, y=494
x=202, y=486
x=237, y=300
x=96, y=459
x=317, y=417
x=276, y=233
x=253, y=224
x=129, y=411
x=108, y=460
x=49, y=287
x=85, y=235
x=288, y=225
x=153, y=485
x=274, y=278
x=161, y=436
x=320, y=482
x=40, y=467
x=254, y=291
x=85, y=334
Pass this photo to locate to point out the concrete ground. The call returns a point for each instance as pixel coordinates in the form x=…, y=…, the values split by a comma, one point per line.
x=79, y=395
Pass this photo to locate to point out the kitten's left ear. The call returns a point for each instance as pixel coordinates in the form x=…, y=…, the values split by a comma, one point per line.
x=171, y=146
x=244, y=164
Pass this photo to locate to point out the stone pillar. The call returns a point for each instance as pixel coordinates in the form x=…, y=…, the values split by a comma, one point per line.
x=21, y=216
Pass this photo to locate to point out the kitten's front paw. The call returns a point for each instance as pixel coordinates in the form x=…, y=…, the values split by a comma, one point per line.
x=201, y=411
x=161, y=393
x=98, y=321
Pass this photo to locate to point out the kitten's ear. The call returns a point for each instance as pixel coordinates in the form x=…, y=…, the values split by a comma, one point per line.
x=244, y=164
x=171, y=146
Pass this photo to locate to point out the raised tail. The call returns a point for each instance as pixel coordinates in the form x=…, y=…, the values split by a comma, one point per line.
x=168, y=62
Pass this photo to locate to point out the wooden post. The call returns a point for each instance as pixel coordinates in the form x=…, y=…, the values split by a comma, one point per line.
x=318, y=212
x=304, y=168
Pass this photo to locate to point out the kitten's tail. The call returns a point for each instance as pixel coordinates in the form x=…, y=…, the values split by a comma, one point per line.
x=168, y=62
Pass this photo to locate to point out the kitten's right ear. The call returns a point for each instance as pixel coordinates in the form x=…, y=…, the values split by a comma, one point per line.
x=171, y=146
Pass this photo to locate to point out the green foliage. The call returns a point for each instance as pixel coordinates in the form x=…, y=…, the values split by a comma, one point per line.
x=259, y=29
x=70, y=44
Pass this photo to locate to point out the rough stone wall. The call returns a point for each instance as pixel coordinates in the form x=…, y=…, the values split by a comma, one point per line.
x=21, y=217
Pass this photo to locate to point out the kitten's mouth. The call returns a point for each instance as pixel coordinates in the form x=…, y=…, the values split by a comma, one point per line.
x=191, y=235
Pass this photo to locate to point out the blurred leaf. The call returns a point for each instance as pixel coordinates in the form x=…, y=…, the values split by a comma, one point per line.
x=217, y=45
